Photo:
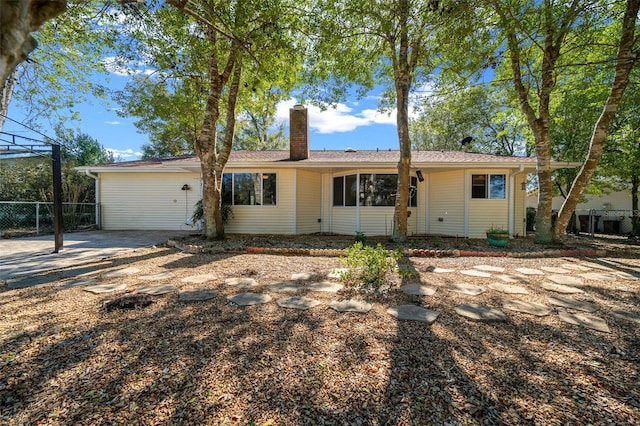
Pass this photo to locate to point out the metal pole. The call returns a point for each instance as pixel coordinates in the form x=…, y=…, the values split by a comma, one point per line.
x=58, y=223
x=37, y=218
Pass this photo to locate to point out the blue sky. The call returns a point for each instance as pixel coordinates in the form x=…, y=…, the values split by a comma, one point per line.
x=354, y=123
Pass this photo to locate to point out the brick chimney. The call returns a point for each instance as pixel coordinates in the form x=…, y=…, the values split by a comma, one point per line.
x=298, y=133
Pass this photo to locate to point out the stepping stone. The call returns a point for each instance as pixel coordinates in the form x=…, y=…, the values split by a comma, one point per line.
x=600, y=276
x=441, y=270
x=571, y=303
x=532, y=308
x=626, y=276
x=199, y=279
x=241, y=282
x=475, y=312
x=197, y=295
x=158, y=277
x=413, y=313
x=555, y=270
x=25, y=282
x=529, y=271
x=584, y=320
x=301, y=276
x=105, y=288
x=468, y=289
x=157, y=290
x=565, y=279
x=326, y=286
x=489, y=268
x=284, y=287
x=418, y=290
x=119, y=273
x=298, y=302
x=337, y=273
x=350, y=305
x=513, y=278
x=246, y=299
x=559, y=288
x=79, y=282
x=82, y=271
x=597, y=266
x=576, y=267
x=626, y=315
x=508, y=288
x=474, y=273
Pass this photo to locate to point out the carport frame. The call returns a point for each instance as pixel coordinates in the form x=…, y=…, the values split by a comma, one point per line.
x=34, y=147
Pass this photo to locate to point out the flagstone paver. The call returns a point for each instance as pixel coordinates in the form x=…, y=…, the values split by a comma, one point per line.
x=298, y=302
x=337, y=273
x=157, y=290
x=105, y=288
x=199, y=279
x=158, y=277
x=197, y=295
x=79, y=282
x=559, y=288
x=475, y=273
x=418, y=290
x=532, y=308
x=468, y=289
x=600, y=276
x=594, y=265
x=284, y=287
x=248, y=298
x=585, y=320
x=555, y=270
x=23, y=282
x=326, y=286
x=570, y=302
x=576, y=267
x=626, y=276
x=626, y=315
x=508, y=288
x=350, y=305
x=489, y=268
x=565, y=279
x=413, y=313
x=241, y=282
x=481, y=313
x=513, y=278
x=120, y=273
x=80, y=271
x=301, y=276
x=442, y=270
x=529, y=271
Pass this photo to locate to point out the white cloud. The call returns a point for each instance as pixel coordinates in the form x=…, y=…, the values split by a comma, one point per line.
x=112, y=123
x=124, y=154
x=338, y=119
x=122, y=68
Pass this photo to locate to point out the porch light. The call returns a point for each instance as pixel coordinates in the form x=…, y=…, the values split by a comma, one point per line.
x=419, y=175
x=185, y=187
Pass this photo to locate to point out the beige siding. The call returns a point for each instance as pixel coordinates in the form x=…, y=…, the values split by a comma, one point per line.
x=343, y=220
x=446, y=202
x=308, y=201
x=520, y=221
x=420, y=214
x=278, y=219
x=327, y=202
x=485, y=213
x=376, y=221
x=147, y=201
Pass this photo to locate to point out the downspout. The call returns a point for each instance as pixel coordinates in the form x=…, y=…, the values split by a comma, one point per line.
x=97, y=191
x=512, y=199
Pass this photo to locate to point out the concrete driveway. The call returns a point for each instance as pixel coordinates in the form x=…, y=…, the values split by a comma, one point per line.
x=33, y=255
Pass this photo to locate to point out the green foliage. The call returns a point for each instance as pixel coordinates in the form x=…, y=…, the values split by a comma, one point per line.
x=370, y=265
x=497, y=230
x=531, y=218
x=198, y=213
x=361, y=237
x=436, y=241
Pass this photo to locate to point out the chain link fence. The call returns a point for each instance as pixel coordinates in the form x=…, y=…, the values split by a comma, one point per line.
x=19, y=218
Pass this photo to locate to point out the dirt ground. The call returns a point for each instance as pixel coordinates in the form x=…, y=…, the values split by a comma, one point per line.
x=65, y=359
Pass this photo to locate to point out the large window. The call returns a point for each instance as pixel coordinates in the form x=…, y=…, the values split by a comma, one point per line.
x=374, y=189
x=489, y=186
x=249, y=189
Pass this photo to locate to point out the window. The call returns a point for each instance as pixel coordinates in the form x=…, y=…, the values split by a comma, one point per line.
x=374, y=189
x=249, y=189
x=489, y=186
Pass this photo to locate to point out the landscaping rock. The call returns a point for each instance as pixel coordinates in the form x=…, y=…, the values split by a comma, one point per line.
x=79, y=282
x=325, y=286
x=30, y=281
x=119, y=273
x=105, y=288
x=474, y=273
x=350, y=305
x=199, y=279
x=508, y=288
x=584, y=320
x=241, y=282
x=576, y=267
x=197, y=295
x=529, y=271
x=489, y=268
x=571, y=303
x=157, y=290
x=555, y=270
x=626, y=315
x=413, y=313
x=600, y=276
x=301, y=276
x=298, y=302
x=158, y=277
x=468, y=289
x=532, y=308
x=418, y=290
x=565, y=279
x=437, y=270
x=559, y=288
x=481, y=313
x=246, y=299
x=513, y=278
x=284, y=287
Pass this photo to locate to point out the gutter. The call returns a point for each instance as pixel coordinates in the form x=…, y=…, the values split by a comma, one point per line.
x=97, y=194
x=512, y=199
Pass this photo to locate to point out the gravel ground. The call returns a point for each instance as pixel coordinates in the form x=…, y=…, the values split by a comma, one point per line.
x=65, y=359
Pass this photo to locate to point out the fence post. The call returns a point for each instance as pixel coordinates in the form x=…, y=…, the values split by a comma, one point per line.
x=37, y=218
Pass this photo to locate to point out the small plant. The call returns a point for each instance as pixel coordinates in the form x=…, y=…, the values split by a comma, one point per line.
x=198, y=213
x=361, y=237
x=371, y=264
x=436, y=241
x=497, y=230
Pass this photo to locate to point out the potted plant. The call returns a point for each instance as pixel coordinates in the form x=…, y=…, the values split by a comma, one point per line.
x=497, y=236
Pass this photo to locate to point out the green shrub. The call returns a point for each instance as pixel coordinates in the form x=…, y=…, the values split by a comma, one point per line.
x=361, y=237
x=370, y=264
x=198, y=213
